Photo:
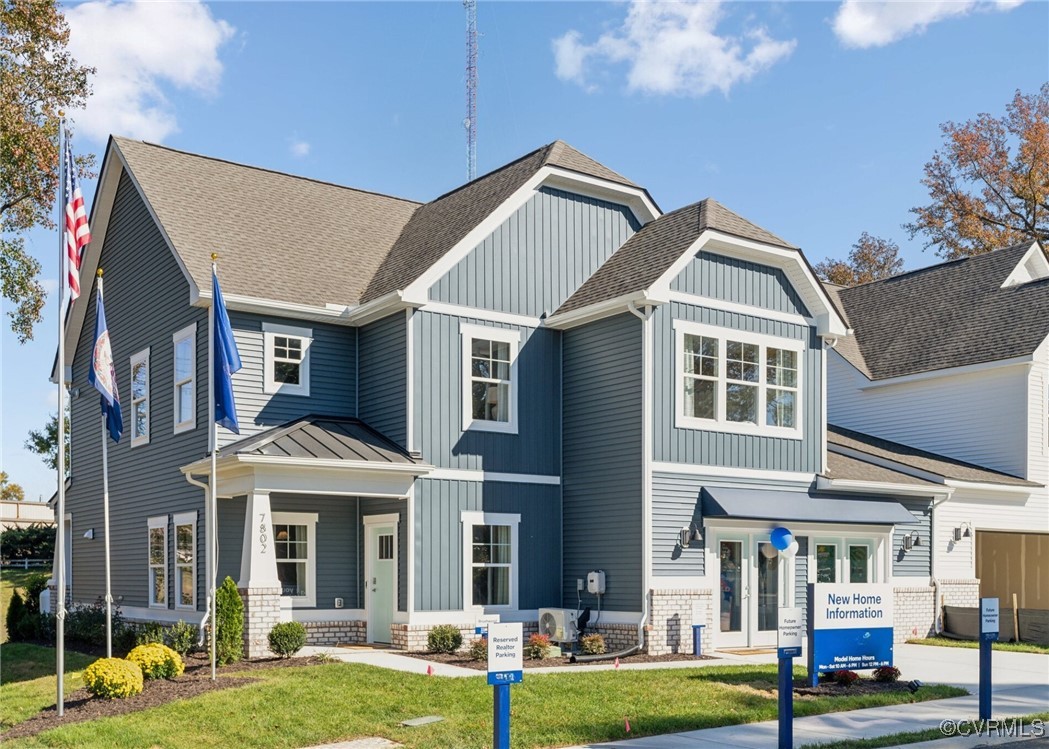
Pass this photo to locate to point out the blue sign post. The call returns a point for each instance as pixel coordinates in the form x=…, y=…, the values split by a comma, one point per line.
x=791, y=633
x=505, y=667
x=850, y=627
x=988, y=634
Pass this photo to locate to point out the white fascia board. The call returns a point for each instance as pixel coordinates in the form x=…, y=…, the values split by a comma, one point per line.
x=824, y=483
x=1027, y=359
x=610, y=307
x=336, y=314
x=1009, y=489
x=635, y=198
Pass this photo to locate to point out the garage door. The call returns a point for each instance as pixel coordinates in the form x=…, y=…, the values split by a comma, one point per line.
x=1009, y=563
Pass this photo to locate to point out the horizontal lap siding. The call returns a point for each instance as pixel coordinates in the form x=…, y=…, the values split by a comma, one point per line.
x=602, y=484
x=739, y=281
x=147, y=300
x=438, y=401
x=534, y=261
x=439, y=505
x=332, y=376
x=801, y=575
x=696, y=446
x=382, y=376
x=676, y=503
x=916, y=562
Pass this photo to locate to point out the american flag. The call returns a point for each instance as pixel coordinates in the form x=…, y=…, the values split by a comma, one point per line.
x=78, y=233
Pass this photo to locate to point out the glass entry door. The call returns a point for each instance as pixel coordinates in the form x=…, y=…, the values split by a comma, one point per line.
x=735, y=592
x=753, y=583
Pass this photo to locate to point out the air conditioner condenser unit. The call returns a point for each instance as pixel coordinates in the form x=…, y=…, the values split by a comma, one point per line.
x=558, y=624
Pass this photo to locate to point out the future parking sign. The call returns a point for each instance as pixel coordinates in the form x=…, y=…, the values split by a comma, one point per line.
x=851, y=627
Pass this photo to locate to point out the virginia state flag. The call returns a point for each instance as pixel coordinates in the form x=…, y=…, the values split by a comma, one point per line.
x=226, y=360
x=103, y=375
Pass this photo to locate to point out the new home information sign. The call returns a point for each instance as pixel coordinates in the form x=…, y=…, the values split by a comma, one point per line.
x=851, y=626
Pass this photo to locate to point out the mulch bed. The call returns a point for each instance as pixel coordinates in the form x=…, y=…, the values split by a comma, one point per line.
x=863, y=686
x=458, y=659
x=81, y=705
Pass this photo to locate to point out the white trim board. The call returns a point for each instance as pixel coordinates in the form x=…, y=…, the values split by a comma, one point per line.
x=691, y=469
x=475, y=313
x=463, y=474
x=459, y=616
x=695, y=300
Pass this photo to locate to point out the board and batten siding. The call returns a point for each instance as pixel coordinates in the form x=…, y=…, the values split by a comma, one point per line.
x=333, y=365
x=602, y=478
x=700, y=447
x=545, y=251
x=382, y=376
x=144, y=481
x=739, y=281
x=438, y=400
x=676, y=503
x=439, y=505
x=918, y=561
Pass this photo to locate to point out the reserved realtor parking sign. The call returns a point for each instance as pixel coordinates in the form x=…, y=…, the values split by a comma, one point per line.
x=850, y=627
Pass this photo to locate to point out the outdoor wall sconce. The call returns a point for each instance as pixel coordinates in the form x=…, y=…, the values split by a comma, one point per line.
x=963, y=531
x=688, y=534
x=89, y=534
x=911, y=540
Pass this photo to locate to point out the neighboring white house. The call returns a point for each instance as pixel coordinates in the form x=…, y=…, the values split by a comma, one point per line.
x=952, y=359
x=23, y=514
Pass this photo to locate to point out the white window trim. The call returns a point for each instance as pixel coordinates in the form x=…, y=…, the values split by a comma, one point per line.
x=468, y=333
x=470, y=519
x=271, y=386
x=185, y=518
x=190, y=332
x=721, y=424
x=161, y=522
x=309, y=519
x=140, y=439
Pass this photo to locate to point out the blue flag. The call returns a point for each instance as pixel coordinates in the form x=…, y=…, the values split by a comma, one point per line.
x=103, y=375
x=226, y=360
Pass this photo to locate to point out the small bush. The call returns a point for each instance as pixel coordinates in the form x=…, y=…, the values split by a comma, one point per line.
x=86, y=623
x=538, y=646
x=182, y=637
x=149, y=633
x=16, y=617
x=287, y=638
x=887, y=673
x=124, y=638
x=157, y=661
x=113, y=677
x=444, y=638
x=593, y=644
x=34, y=586
x=229, y=647
x=478, y=649
x=845, y=677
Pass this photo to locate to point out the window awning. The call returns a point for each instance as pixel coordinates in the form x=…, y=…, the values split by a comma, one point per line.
x=801, y=506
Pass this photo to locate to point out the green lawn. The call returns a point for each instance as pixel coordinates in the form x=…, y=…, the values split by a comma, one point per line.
x=9, y=580
x=297, y=707
x=929, y=734
x=27, y=679
x=1011, y=647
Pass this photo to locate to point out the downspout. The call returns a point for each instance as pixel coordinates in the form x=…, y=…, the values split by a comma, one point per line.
x=207, y=613
x=646, y=472
x=933, y=544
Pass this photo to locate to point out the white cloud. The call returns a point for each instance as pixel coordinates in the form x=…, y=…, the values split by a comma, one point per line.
x=299, y=148
x=140, y=51
x=875, y=23
x=673, y=48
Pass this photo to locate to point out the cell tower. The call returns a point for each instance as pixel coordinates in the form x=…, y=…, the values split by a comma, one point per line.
x=470, y=123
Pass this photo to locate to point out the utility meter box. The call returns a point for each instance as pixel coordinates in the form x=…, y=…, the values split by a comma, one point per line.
x=595, y=582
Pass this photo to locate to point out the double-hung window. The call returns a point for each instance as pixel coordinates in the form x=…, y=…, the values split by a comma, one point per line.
x=734, y=381
x=185, y=344
x=490, y=378
x=490, y=553
x=185, y=560
x=140, y=398
x=287, y=359
x=158, y=561
x=295, y=546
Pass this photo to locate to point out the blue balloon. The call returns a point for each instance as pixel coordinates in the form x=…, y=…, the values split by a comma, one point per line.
x=781, y=538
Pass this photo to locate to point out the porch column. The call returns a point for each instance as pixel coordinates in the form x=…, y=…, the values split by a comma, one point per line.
x=259, y=585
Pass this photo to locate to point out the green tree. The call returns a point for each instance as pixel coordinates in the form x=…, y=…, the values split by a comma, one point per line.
x=38, y=79
x=871, y=259
x=45, y=442
x=8, y=491
x=989, y=184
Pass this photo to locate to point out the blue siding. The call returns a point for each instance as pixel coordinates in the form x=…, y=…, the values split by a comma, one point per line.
x=539, y=256
x=801, y=576
x=439, y=505
x=438, y=403
x=333, y=364
x=676, y=503
x=739, y=281
x=695, y=446
x=382, y=376
x=917, y=562
x=602, y=485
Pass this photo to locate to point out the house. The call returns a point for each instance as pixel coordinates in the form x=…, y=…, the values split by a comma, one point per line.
x=21, y=514
x=535, y=391
x=953, y=360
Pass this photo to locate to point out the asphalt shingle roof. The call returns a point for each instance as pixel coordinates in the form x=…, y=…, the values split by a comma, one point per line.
x=853, y=469
x=948, y=315
x=653, y=249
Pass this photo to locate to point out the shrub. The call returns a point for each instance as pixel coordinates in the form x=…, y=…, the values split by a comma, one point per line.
x=229, y=646
x=124, y=638
x=182, y=637
x=86, y=623
x=148, y=633
x=287, y=638
x=34, y=586
x=845, y=677
x=444, y=638
x=15, y=620
x=593, y=644
x=478, y=649
x=157, y=661
x=538, y=646
x=36, y=541
x=113, y=677
x=887, y=673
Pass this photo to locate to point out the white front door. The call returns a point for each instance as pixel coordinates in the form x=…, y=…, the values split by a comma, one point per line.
x=380, y=583
x=753, y=582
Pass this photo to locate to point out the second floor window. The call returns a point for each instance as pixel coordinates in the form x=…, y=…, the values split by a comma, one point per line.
x=287, y=359
x=185, y=343
x=140, y=398
x=489, y=378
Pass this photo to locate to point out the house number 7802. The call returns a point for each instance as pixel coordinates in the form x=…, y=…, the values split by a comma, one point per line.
x=263, y=536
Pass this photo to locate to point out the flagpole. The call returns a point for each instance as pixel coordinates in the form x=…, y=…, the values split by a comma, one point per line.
x=105, y=512
x=212, y=516
x=60, y=534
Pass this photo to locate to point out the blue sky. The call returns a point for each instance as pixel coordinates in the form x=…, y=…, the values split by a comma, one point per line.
x=812, y=119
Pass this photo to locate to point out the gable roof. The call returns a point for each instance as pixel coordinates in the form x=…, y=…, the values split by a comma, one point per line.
x=656, y=246
x=948, y=315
